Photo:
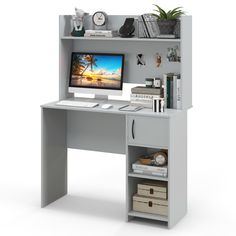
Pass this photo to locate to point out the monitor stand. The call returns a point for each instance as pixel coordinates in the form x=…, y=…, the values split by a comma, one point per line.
x=101, y=97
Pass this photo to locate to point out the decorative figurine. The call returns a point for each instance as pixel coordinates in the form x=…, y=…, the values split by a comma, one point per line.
x=173, y=54
x=78, y=26
x=158, y=60
x=140, y=60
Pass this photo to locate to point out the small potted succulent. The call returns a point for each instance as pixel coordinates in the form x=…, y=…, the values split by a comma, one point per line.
x=166, y=20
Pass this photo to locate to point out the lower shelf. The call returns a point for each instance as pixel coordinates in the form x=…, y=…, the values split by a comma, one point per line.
x=148, y=216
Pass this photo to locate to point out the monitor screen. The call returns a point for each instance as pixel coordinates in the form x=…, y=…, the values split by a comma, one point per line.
x=96, y=70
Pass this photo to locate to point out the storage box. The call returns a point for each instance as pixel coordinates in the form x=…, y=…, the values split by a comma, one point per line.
x=156, y=189
x=150, y=205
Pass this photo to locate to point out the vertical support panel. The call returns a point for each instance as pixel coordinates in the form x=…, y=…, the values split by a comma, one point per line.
x=186, y=61
x=177, y=165
x=53, y=155
x=127, y=171
x=65, y=49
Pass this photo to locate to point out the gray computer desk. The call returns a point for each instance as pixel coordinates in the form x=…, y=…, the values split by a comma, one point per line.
x=114, y=131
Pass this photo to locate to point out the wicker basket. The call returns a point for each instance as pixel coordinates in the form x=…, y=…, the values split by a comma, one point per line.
x=166, y=26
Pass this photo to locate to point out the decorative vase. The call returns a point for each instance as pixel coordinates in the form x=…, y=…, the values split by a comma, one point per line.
x=166, y=26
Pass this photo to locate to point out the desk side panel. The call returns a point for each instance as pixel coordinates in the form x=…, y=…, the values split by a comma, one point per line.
x=54, y=156
x=177, y=164
x=96, y=131
x=186, y=61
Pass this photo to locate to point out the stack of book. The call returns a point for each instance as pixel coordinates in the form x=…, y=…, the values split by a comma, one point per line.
x=148, y=27
x=172, y=90
x=141, y=95
x=101, y=33
x=149, y=169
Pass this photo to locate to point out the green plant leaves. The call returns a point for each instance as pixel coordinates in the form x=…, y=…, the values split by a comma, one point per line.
x=169, y=15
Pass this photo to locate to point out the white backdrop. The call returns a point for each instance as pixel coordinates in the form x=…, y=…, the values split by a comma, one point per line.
x=95, y=204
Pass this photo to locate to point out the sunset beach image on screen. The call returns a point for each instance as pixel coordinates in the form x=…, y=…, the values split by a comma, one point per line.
x=96, y=70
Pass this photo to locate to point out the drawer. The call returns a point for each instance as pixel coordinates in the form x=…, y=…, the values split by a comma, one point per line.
x=148, y=131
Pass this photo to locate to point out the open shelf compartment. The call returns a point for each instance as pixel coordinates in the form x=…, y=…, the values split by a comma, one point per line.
x=148, y=216
x=134, y=153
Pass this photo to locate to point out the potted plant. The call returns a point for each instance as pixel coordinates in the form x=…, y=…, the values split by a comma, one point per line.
x=166, y=20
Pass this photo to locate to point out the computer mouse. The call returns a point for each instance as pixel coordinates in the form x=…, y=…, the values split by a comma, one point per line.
x=107, y=106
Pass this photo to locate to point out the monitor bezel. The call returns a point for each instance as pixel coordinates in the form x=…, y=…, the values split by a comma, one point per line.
x=96, y=88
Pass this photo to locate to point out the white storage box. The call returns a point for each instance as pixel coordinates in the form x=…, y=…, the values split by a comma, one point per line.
x=156, y=189
x=150, y=205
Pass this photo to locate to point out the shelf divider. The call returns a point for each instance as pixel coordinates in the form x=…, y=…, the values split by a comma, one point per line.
x=148, y=216
x=135, y=39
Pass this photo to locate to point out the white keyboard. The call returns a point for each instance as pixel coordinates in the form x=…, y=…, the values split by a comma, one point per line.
x=77, y=103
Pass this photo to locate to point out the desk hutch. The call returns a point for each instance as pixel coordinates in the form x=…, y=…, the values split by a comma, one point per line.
x=128, y=133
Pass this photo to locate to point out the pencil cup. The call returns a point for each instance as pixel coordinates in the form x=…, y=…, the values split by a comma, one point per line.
x=158, y=105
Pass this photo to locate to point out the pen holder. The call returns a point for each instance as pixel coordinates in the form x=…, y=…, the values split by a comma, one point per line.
x=158, y=104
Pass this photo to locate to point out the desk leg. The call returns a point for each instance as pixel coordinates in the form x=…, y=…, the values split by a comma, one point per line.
x=54, y=155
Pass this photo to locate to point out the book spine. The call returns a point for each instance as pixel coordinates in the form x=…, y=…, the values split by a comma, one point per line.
x=147, y=97
x=169, y=88
x=145, y=26
x=154, y=26
x=143, y=99
x=150, y=173
x=171, y=91
x=168, y=92
x=179, y=93
x=149, y=26
x=149, y=168
x=154, y=29
x=152, y=23
x=98, y=35
x=175, y=91
x=146, y=91
x=164, y=87
x=141, y=30
x=99, y=31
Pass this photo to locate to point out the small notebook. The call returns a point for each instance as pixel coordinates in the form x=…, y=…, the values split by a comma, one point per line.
x=130, y=108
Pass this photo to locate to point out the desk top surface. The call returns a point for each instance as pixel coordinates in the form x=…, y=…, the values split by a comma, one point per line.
x=114, y=110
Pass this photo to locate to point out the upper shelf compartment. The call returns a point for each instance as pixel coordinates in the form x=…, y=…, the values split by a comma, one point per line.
x=114, y=23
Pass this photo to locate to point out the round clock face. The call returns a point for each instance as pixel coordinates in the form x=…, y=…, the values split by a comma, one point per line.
x=99, y=18
x=160, y=159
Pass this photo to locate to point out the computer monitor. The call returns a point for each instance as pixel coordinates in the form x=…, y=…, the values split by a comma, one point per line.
x=96, y=73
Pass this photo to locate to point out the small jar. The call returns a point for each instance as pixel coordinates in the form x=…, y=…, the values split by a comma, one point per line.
x=149, y=82
x=157, y=83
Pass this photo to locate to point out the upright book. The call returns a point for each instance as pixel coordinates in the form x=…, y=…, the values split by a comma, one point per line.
x=172, y=91
x=177, y=99
x=149, y=27
x=169, y=88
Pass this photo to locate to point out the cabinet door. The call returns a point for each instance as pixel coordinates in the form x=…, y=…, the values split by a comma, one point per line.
x=149, y=131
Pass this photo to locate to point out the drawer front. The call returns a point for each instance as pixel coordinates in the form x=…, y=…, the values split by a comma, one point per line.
x=148, y=131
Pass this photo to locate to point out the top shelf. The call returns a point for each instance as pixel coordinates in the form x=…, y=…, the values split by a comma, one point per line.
x=134, y=39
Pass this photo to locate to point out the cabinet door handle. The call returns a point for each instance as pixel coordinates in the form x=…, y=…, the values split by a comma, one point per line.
x=133, y=129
